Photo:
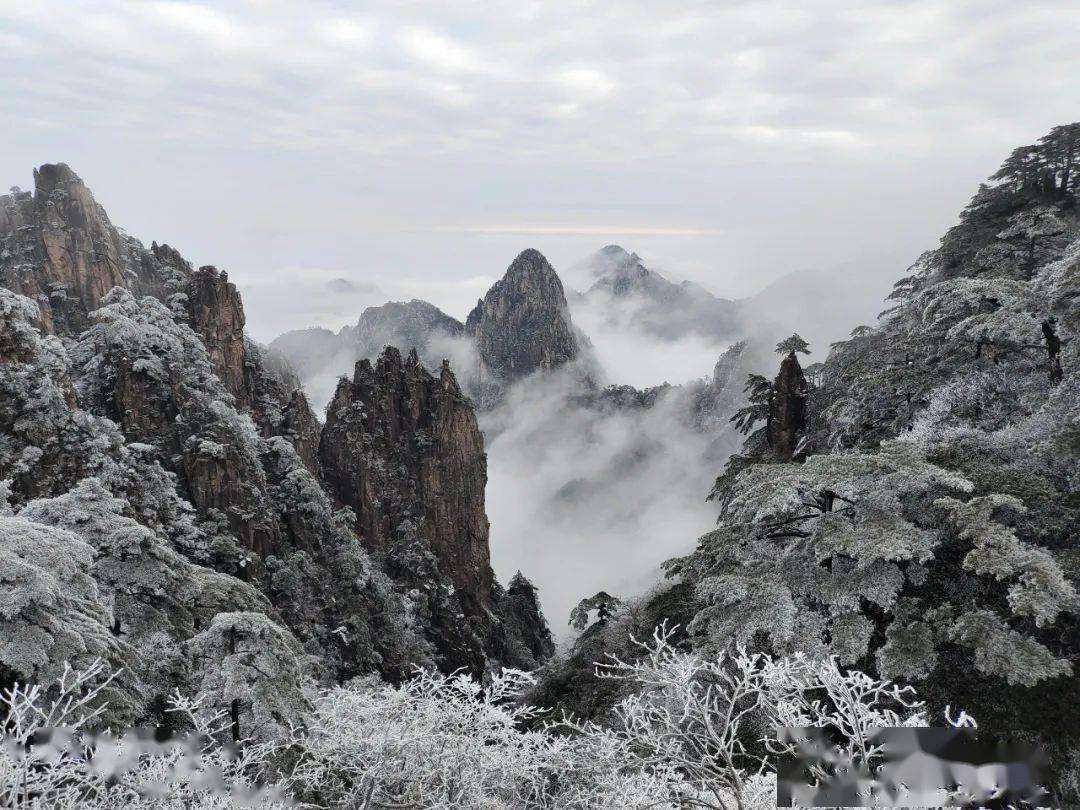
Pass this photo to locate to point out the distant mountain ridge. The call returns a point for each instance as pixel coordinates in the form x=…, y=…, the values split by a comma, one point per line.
x=663, y=308
x=408, y=325
x=522, y=325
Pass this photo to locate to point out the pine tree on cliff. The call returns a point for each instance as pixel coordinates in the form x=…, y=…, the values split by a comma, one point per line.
x=793, y=344
x=603, y=603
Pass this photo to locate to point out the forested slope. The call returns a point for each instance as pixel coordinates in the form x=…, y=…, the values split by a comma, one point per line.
x=910, y=504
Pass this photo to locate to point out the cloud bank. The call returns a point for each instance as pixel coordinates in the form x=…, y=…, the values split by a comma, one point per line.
x=738, y=140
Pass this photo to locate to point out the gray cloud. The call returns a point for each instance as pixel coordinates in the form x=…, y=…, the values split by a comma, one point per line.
x=740, y=139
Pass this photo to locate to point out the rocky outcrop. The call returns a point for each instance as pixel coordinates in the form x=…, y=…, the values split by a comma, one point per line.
x=787, y=409
x=523, y=325
x=277, y=402
x=527, y=631
x=728, y=371
x=217, y=315
x=402, y=448
x=59, y=248
x=302, y=429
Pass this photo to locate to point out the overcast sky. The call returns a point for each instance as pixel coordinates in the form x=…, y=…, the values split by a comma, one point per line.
x=417, y=147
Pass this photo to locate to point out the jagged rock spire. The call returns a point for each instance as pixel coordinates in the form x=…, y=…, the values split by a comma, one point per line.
x=60, y=248
x=400, y=445
x=217, y=314
x=787, y=408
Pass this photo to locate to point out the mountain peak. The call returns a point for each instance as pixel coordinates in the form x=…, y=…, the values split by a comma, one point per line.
x=60, y=247
x=614, y=252
x=615, y=261
x=50, y=176
x=664, y=308
x=532, y=264
x=523, y=323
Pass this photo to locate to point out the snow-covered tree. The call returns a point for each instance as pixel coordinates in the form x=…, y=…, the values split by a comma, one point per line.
x=52, y=613
x=794, y=343
x=602, y=603
x=247, y=665
x=818, y=557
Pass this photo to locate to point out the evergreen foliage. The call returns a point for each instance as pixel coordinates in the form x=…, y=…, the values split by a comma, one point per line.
x=603, y=603
x=928, y=530
x=795, y=343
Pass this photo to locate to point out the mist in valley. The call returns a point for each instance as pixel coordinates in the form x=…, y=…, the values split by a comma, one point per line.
x=583, y=496
x=584, y=499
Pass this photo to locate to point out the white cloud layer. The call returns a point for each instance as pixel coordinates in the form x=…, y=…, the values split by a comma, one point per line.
x=582, y=501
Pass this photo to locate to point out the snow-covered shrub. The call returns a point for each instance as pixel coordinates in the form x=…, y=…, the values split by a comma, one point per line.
x=692, y=732
x=435, y=741
x=713, y=721
x=57, y=756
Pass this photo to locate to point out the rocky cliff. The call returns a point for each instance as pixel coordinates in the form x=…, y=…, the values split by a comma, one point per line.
x=59, y=248
x=402, y=446
x=523, y=325
x=217, y=315
x=402, y=449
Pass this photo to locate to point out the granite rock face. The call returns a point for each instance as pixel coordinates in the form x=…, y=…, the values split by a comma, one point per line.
x=217, y=315
x=523, y=324
x=403, y=446
x=59, y=248
x=301, y=427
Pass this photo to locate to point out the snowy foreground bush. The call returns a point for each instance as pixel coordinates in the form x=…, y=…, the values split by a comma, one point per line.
x=694, y=733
